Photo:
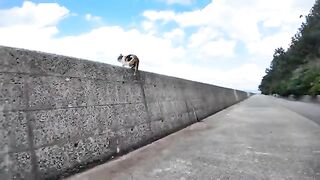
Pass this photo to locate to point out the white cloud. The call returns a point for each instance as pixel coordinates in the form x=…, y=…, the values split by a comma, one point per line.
x=239, y=19
x=217, y=29
x=209, y=44
x=148, y=25
x=105, y=44
x=90, y=17
x=176, y=35
x=244, y=77
x=203, y=35
x=219, y=48
x=267, y=45
x=159, y=15
x=32, y=25
x=37, y=15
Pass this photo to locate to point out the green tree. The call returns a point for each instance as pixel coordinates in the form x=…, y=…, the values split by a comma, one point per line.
x=293, y=71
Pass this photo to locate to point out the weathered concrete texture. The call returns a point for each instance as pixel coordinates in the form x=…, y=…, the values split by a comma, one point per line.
x=60, y=114
x=259, y=138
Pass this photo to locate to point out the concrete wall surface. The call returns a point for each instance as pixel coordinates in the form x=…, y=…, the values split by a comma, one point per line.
x=60, y=114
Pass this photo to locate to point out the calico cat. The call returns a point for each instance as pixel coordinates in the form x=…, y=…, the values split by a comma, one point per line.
x=130, y=60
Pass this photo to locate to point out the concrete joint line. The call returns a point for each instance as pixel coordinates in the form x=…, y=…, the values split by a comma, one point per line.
x=236, y=95
x=34, y=163
x=145, y=103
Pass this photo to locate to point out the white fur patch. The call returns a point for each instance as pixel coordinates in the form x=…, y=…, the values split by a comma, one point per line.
x=123, y=62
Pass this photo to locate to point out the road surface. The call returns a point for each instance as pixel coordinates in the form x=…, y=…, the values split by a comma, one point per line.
x=260, y=138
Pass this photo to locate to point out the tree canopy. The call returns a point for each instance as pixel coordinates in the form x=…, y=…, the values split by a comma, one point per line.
x=296, y=70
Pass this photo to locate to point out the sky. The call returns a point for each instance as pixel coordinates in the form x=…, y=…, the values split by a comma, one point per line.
x=227, y=43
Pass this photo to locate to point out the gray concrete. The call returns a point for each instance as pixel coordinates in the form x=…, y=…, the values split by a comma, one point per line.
x=59, y=115
x=309, y=110
x=258, y=138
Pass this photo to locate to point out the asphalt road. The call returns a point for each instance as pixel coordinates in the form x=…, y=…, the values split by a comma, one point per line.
x=260, y=138
x=308, y=110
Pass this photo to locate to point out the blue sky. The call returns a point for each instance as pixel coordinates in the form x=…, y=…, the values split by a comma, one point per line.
x=222, y=42
x=112, y=12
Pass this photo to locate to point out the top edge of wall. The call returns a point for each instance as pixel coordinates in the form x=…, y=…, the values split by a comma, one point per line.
x=144, y=73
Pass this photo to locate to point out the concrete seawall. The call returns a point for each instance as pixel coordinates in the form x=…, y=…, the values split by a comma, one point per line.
x=60, y=114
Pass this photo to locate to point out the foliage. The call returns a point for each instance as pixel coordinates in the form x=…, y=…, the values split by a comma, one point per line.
x=297, y=70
